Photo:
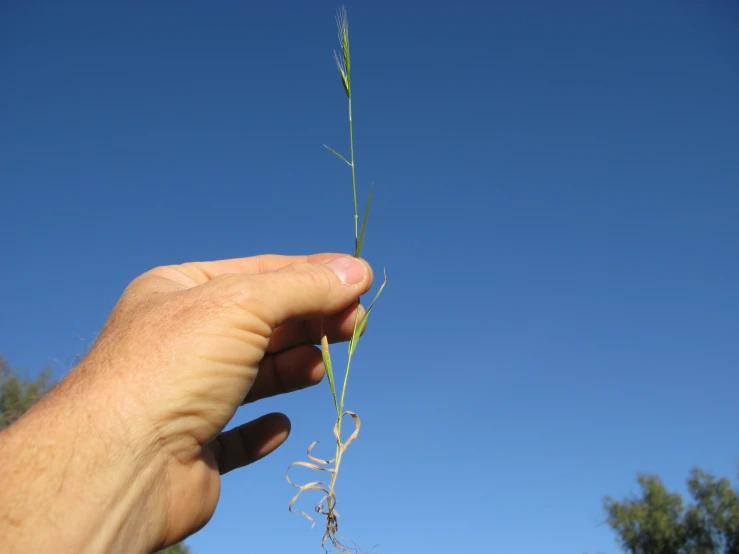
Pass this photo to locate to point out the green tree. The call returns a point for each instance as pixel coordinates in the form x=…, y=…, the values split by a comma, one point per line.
x=18, y=394
x=659, y=522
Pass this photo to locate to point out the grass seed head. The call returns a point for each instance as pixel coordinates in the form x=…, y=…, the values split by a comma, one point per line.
x=343, y=62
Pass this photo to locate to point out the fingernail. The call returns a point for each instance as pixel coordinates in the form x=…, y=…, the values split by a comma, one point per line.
x=350, y=270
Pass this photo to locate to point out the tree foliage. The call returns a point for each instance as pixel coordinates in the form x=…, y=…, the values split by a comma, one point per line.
x=659, y=522
x=18, y=394
x=179, y=548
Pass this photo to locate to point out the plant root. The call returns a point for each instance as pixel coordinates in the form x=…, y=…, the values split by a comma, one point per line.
x=327, y=504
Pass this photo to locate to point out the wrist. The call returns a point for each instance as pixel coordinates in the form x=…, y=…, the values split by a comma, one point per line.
x=74, y=480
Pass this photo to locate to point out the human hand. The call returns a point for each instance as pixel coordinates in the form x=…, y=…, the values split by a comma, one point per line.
x=182, y=349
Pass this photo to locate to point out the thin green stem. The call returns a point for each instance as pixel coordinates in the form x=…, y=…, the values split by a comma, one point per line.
x=348, y=363
x=354, y=180
x=356, y=244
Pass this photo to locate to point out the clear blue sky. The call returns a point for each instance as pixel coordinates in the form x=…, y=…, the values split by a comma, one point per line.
x=556, y=204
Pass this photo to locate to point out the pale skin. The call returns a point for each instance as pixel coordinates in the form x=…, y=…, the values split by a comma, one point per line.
x=126, y=453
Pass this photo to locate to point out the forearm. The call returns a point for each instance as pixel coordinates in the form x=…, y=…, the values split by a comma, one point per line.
x=71, y=482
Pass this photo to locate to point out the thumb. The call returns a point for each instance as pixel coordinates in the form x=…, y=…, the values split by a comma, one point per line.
x=306, y=289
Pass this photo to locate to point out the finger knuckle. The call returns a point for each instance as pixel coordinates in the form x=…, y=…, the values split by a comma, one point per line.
x=229, y=291
x=314, y=277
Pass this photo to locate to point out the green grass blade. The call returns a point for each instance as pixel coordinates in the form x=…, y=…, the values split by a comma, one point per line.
x=335, y=153
x=359, y=328
x=329, y=369
x=360, y=241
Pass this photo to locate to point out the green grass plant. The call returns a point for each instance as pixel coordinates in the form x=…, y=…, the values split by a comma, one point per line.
x=327, y=504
